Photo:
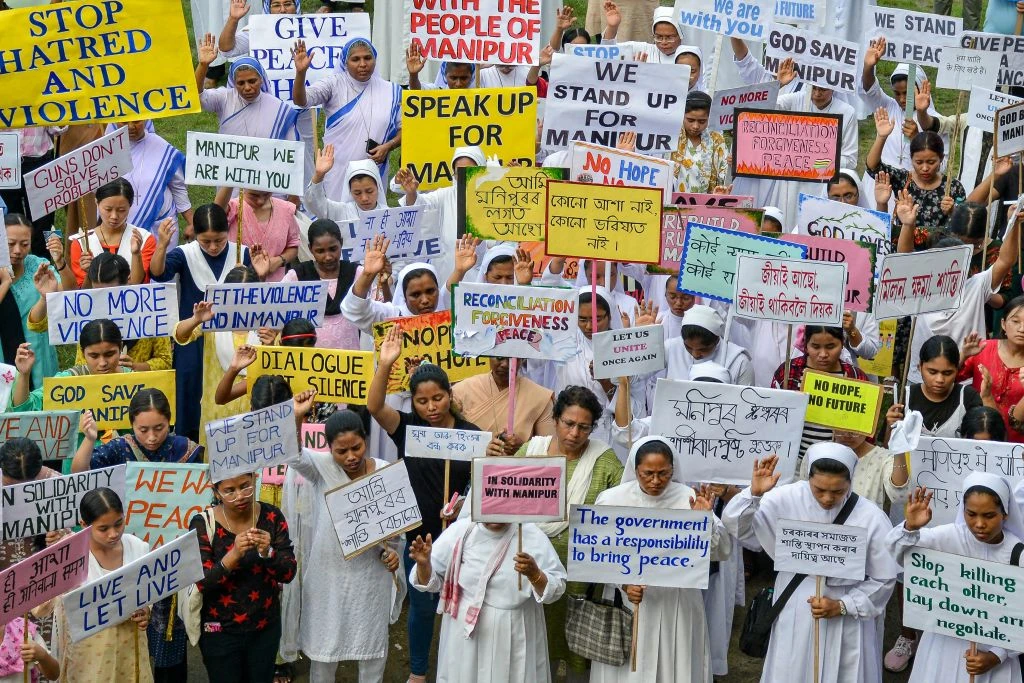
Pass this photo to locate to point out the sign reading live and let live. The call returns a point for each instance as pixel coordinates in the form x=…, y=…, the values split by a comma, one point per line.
x=912, y=37
x=793, y=291
x=821, y=60
x=744, y=19
x=261, y=164
x=10, y=161
x=36, y=507
x=628, y=352
x=54, y=431
x=601, y=165
x=47, y=574
x=426, y=339
x=446, y=444
x=516, y=490
x=250, y=306
x=162, y=497
x=477, y=31
x=674, y=220
x=859, y=259
x=821, y=217
x=647, y=546
x=724, y=102
x=784, y=145
x=107, y=396
x=922, y=282
x=841, y=403
x=505, y=204
x=1010, y=130
x=249, y=442
x=414, y=234
x=816, y=549
x=143, y=311
x=95, y=61
x=338, y=376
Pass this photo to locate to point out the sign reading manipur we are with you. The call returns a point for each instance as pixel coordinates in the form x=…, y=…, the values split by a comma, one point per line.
x=783, y=145
x=249, y=163
x=426, y=339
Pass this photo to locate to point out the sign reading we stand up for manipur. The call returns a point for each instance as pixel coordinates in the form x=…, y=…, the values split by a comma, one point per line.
x=477, y=31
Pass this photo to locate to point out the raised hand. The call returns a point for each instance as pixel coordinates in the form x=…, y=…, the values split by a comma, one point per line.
x=923, y=96
x=523, y=267
x=565, y=18
x=419, y=550
x=203, y=311
x=414, y=59
x=985, y=390
x=465, y=253
x=787, y=71
x=55, y=246
x=324, y=162
x=626, y=141
x=245, y=355
x=303, y=402
x=883, y=188
x=260, y=260
x=764, y=477
x=612, y=16
x=407, y=180
x=301, y=57
x=646, y=313
x=165, y=233
x=704, y=500
x=546, y=53
x=906, y=208
x=136, y=243
x=87, y=425
x=25, y=358
x=238, y=9
x=918, y=509
x=266, y=335
x=391, y=346
x=875, y=52
x=883, y=125
x=45, y=280
x=376, y=255
x=207, y=49
x=971, y=347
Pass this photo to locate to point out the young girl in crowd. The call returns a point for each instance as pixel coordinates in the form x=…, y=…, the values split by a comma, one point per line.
x=995, y=365
x=268, y=223
x=115, y=234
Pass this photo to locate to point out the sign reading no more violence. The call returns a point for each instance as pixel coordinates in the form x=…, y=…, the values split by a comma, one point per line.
x=142, y=311
x=724, y=103
x=841, y=403
x=514, y=490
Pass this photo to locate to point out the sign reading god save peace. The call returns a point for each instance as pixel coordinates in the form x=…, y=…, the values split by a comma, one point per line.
x=840, y=403
x=790, y=290
x=107, y=396
x=633, y=351
x=478, y=31
x=784, y=145
x=519, y=489
x=250, y=163
x=922, y=282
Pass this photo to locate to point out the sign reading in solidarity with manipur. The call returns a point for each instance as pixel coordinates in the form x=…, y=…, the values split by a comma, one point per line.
x=840, y=403
x=107, y=396
x=162, y=497
x=141, y=311
x=45, y=575
x=922, y=282
x=784, y=145
x=252, y=305
x=54, y=431
x=505, y=204
x=247, y=443
x=373, y=508
x=822, y=217
x=426, y=339
x=338, y=376
x=477, y=31
x=859, y=259
x=95, y=61
x=793, y=291
x=249, y=163
x=37, y=507
x=413, y=233
x=517, y=490
x=674, y=220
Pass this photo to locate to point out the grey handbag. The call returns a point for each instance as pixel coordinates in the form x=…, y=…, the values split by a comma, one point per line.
x=599, y=629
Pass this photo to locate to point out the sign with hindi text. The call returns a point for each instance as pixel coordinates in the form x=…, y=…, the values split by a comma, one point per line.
x=162, y=497
x=790, y=291
x=249, y=163
x=516, y=490
x=859, y=259
x=54, y=431
x=837, y=551
x=373, y=508
x=107, y=396
x=36, y=507
x=913, y=37
x=446, y=444
x=782, y=145
x=823, y=217
x=1010, y=49
x=247, y=443
x=922, y=282
x=142, y=311
x=477, y=31
x=426, y=338
x=841, y=403
x=963, y=68
x=628, y=352
x=247, y=306
x=724, y=103
x=338, y=376
x=818, y=58
x=505, y=204
x=45, y=575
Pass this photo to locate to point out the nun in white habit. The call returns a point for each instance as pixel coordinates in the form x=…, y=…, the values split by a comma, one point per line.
x=848, y=610
x=672, y=636
x=987, y=527
x=322, y=206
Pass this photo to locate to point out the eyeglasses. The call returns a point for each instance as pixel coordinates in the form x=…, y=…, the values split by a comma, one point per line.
x=569, y=426
x=245, y=492
x=288, y=4
x=663, y=39
x=664, y=474
x=847, y=198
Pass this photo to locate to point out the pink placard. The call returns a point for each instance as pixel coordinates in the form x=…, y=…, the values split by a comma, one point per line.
x=732, y=201
x=521, y=490
x=673, y=227
x=859, y=258
x=45, y=575
x=314, y=438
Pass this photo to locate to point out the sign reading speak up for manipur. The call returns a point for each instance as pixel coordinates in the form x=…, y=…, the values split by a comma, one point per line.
x=840, y=403
x=1010, y=130
x=107, y=396
x=632, y=351
x=95, y=61
x=338, y=376
x=37, y=507
x=260, y=164
x=45, y=575
x=247, y=443
x=914, y=37
x=790, y=291
x=515, y=321
x=140, y=311
x=162, y=497
x=674, y=220
x=478, y=31
x=922, y=282
x=648, y=546
x=54, y=431
x=252, y=305
x=414, y=233
x=505, y=204
x=816, y=549
x=607, y=166
x=783, y=145
x=426, y=339
x=501, y=121
x=821, y=217
x=516, y=490
x=604, y=222
x=724, y=102
x=859, y=259
x=824, y=61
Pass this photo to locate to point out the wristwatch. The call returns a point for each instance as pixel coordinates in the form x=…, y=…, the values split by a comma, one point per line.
x=842, y=608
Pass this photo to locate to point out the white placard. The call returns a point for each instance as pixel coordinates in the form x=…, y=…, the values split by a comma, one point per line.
x=252, y=305
x=646, y=546
x=414, y=233
x=914, y=37
x=724, y=102
x=81, y=171
x=246, y=443
x=720, y=429
x=627, y=352
x=1010, y=130
x=481, y=31
x=36, y=507
x=745, y=19
x=819, y=59
x=922, y=282
x=607, y=166
x=1009, y=48
x=822, y=217
x=373, y=508
x=981, y=111
x=621, y=51
x=790, y=290
x=446, y=444
x=516, y=490
x=836, y=551
x=262, y=164
x=811, y=12
x=143, y=311
x=10, y=161
x=961, y=69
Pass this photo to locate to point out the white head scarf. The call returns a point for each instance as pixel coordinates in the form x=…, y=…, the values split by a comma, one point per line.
x=629, y=473
x=833, y=451
x=705, y=317
x=665, y=15
x=776, y=213
x=473, y=152
x=1013, y=523
x=699, y=54
x=368, y=168
x=703, y=372
x=507, y=249
x=398, y=299
x=851, y=175
x=615, y=321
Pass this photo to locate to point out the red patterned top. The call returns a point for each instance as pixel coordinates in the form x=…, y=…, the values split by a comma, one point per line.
x=1006, y=387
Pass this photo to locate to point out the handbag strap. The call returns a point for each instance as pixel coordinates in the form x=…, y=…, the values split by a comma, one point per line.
x=1016, y=553
x=590, y=595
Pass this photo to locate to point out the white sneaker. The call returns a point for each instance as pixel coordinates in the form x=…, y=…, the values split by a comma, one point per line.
x=898, y=658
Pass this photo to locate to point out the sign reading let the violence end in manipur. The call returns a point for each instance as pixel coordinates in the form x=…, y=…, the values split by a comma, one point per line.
x=914, y=37
x=338, y=376
x=107, y=396
x=260, y=164
x=745, y=19
x=821, y=217
x=426, y=339
x=859, y=259
x=477, y=31
x=922, y=282
x=252, y=305
x=54, y=431
x=816, y=549
x=501, y=121
x=45, y=575
x=505, y=204
x=95, y=61
x=604, y=222
x=840, y=403
x=247, y=443
x=37, y=507
x=784, y=145
x=162, y=497
x=1010, y=130
x=673, y=227
x=633, y=351
x=514, y=321
x=648, y=546
x=373, y=508
x=724, y=102
x=511, y=490
x=825, y=61
x=790, y=291
x=142, y=311
x=607, y=166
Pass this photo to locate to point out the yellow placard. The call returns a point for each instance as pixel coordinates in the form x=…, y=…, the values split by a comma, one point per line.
x=501, y=121
x=95, y=61
x=841, y=403
x=881, y=365
x=505, y=204
x=604, y=222
x=426, y=338
x=107, y=396
x=338, y=376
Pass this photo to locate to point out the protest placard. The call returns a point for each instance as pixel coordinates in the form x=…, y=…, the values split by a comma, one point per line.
x=801, y=12
x=708, y=266
x=744, y=19
x=501, y=121
x=81, y=171
x=609, y=223
x=859, y=258
x=727, y=201
x=10, y=161
x=816, y=549
x=822, y=60
x=595, y=100
x=515, y=490
x=113, y=598
x=936, y=279
x=632, y=351
x=673, y=228
x=786, y=146
x=45, y=575
x=881, y=364
x=54, y=431
x=823, y=217
x=720, y=429
x=963, y=598
x=790, y=291
x=96, y=61
x=841, y=403
x=504, y=204
x=426, y=339
x=983, y=105
x=272, y=37
x=478, y=31
x=1009, y=130
x=246, y=443
x=962, y=68
x=162, y=497
x=646, y=546
x=107, y=396
x=262, y=164
x=373, y=508
x=621, y=51
x=414, y=233
x=8, y=373
x=606, y=166
x=252, y=305
x=914, y=37
x=36, y=507
x=446, y=444
x=142, y=311
x=517, y=322
x=338, y=376
x=314, y=437
x=1010, y=49
x=724, y=102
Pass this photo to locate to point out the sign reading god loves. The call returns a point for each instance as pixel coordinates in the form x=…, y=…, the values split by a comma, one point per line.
x=633, y=351
x=426, y=339
x=847, y=404
x=817, y=549
x=338, y=376
x=821, y=217
x=250, y=163
x=162, y=497
x=107, y=396
x=784, y=145
x=505, y=204
x=478, y=31
x=250, y=306
x=516, y=490
x=54, y=431
x=141, y=311
x=246, y=443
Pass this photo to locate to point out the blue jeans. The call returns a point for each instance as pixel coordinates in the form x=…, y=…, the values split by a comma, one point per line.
x=422, y=610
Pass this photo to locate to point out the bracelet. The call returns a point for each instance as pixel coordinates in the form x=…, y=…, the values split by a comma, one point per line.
x=60, y=268
x=1015, y=424
x=900, y=467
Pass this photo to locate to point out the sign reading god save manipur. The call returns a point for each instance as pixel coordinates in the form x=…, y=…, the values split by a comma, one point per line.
x=670, y=548
x=426, y=339
x=1010, y=130
x=960, y=597
x=45, y=575
x=10, y=161
x=373, y=508
x=505, y=204
x=606, y=166
x=744, y=19
x=414, y=233
x=633, y=351
x=674, y=220
x=786, y=146
x=54, y=431
x=37, y=507
x=81, y=171
x=140, y=311
x=720, y=429
x=821, y=217
x=840, y=403
x=963, y=68
x=824, y=61
x=914, y=37
x=604, y=222
x=519, y=489
x=249, y=163
x=859, y=259
x=816, y=549
x=246, y=443
x=981, y=112
x=107, y=396
x=790, y=290
x=517, y=322
x=446, y=444
x=95, y=61
x=478, y=31
x=252, y=305
x=724, y=102
x=501, y=121
x=112, y=599
x=338, y=376
x=922, y=282
x=162, y=497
